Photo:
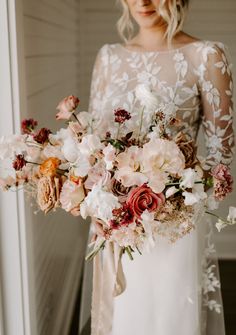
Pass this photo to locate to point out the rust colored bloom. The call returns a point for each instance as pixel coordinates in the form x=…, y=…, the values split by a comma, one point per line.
x=142, y=198
x=49, y=166
x=123, y=216
x=28, y=125
x=223, y=181
x=121, y=115
x=19, y=162
x=42, y=135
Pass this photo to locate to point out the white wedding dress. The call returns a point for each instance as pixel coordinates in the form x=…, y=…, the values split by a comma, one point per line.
x=175, y=288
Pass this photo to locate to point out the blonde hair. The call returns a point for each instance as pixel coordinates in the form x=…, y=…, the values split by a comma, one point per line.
x=172, y=12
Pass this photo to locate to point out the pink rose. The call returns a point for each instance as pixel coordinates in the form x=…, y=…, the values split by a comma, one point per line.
x=223, y=181
x=142, y=198
x=66, y=107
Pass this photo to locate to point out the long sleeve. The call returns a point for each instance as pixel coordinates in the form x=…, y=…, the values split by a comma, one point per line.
x=217, y=106
x=99, y=80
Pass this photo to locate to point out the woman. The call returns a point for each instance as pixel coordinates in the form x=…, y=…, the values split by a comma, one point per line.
x=174, y=289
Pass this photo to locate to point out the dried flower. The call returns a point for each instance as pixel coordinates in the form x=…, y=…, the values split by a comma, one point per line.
x=223, y=181
x=66, y=107
x=188, y=148
x=19, y=162
x=28, y=125
x=42, y=135
x=119, y=190
x=123, y=216
x=49, y=166
x=48, y=191
x=121, y=115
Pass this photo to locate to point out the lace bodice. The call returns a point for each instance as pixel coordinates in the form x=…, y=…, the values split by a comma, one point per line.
x=192, y=83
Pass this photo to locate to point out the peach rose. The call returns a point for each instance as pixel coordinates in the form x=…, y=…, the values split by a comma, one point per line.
x=49, y=166
x=142, y=198
x=48, y=190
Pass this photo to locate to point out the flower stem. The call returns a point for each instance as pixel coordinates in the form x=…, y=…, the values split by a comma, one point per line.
x=129, y=252
x=94, y=252
x=75, y=116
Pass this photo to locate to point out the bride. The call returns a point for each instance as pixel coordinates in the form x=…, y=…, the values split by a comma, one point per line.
x=173, y=289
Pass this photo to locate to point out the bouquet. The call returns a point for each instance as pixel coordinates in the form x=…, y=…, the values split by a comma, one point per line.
x=132, y=177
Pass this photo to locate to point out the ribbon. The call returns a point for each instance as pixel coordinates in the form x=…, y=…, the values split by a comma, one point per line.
x=108, y=282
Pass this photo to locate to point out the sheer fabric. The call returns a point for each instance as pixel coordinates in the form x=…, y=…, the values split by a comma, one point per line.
x=174, y=289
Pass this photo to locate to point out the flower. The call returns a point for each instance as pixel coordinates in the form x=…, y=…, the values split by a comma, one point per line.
x=72, y=194
x=90, y=144
x=223, y=181
x=123, y=216
x=19, y=162
x=220, y=224
x=48, y=190
x=28, y=125
x=66, y=107
x=188, y=178
x=99, y=203
x=146, y=97
x=188, y=148
x=119, y=190
x=148, y=223
x=49, y=166
x=143, y=197
x=128, y=166
x=109, y=156
x=121, y=115
x=159, y=158
x=42, y=135
x=12, y=145
x=232, y=215
x=96, y=174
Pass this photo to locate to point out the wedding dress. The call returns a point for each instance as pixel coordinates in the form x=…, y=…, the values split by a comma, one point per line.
x=173, y=289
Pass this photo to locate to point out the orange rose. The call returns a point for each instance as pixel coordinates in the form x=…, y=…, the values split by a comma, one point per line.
x=49, y=167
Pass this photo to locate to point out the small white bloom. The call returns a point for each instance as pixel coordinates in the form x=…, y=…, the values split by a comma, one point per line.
x=99, y=203
x=190, y=198
x=188, y=178
x=109, y=156
x=89, y=144
x=220, y=224
x=82, y=166
x=232, y=215
x=146, y=97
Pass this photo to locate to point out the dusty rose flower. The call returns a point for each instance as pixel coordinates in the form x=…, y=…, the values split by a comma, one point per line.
x=42, y=135
x=223, y=181
x=188, y=148
x=142, y=198
x=48, y=190
x=66, y=107
x=19, y=162
x=72, y=194
x=121, y=115
x=49, y=166
x=28, y=125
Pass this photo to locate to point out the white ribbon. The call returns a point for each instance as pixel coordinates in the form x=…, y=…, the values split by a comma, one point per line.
x=108, y=282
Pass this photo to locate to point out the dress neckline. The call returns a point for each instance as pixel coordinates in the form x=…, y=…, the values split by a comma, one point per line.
x=140, y=51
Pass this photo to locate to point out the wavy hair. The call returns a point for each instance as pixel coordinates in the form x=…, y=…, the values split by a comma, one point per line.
x=172, y=12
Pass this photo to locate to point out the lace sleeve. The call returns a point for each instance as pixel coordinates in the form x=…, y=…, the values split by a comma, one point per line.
x=98, y=81
x=217, y=106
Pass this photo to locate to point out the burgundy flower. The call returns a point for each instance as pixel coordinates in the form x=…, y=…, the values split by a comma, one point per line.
x=142, y=198
x=121, y=115
x=19, y=162
x=28, y=125
x=223, y=181
x=42, y=135
x=123, y=216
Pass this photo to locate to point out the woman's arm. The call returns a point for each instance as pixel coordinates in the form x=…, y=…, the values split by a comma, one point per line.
x=217, y=107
